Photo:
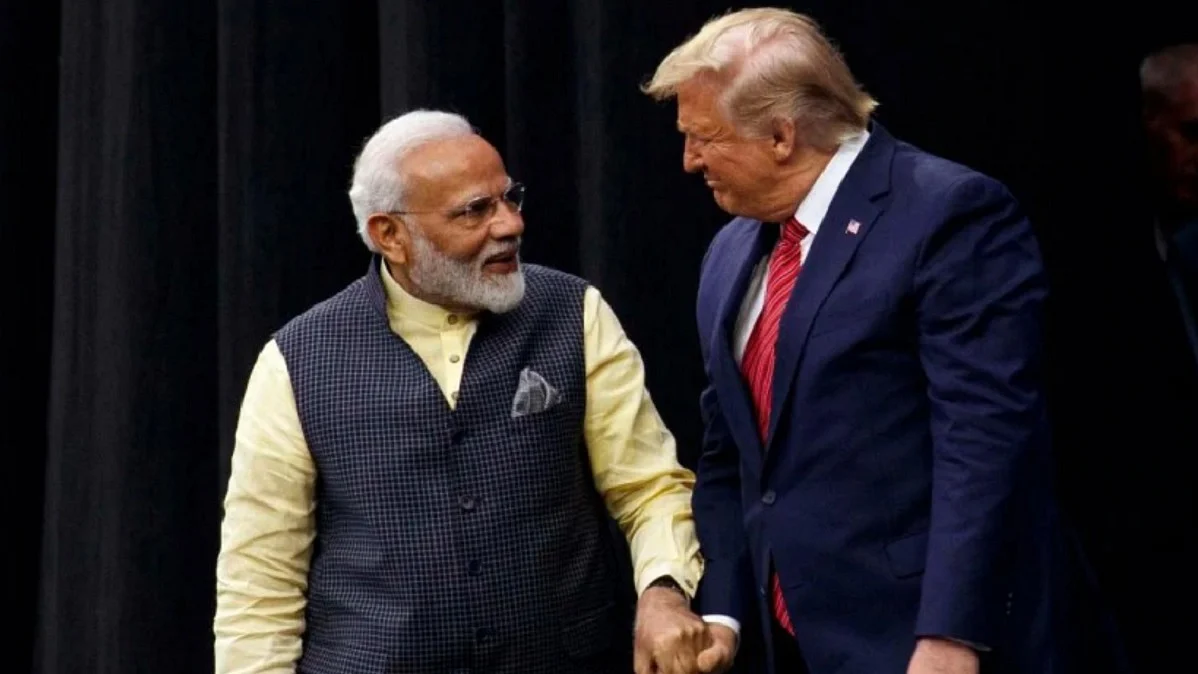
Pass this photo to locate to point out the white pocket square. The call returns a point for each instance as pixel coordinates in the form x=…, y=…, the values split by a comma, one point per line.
x=533, y=395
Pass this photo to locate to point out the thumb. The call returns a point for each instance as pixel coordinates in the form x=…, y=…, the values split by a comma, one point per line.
x=712, y=659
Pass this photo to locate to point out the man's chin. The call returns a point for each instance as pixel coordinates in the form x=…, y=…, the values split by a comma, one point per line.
x=725, y=202
x=505, y=291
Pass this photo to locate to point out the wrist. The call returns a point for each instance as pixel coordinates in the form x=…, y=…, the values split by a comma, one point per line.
x=949, y=644
x=667, y=582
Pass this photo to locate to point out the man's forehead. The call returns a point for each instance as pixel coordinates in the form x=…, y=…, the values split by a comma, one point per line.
x=694, y=119
x=697, y=100
x=454, y=165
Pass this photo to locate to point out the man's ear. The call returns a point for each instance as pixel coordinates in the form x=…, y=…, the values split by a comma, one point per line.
x=784, y=139
x=390, y=237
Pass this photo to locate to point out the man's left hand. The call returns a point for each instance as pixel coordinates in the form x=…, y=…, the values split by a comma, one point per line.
x=669, y=637
x=942, y=656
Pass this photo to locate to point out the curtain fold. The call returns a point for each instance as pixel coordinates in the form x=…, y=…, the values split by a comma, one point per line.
x=130, y=528
x=28, y=152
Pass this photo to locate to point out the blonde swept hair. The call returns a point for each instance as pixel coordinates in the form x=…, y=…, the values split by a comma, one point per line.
x=776, y=64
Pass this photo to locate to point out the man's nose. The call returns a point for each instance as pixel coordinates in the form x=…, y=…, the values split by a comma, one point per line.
x=508, y=222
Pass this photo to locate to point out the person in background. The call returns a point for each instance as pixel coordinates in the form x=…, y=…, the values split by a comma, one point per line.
x=1136, y=500
x=426, y=461
x=875, y=486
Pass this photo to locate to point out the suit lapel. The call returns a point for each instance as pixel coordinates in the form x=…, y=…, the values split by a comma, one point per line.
x=848, y=221
x=732, y=390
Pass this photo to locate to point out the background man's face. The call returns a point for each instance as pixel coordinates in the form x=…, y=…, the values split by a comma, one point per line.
x=1172, y=128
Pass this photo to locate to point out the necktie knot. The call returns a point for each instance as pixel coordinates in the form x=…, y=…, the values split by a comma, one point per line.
x=793, y=232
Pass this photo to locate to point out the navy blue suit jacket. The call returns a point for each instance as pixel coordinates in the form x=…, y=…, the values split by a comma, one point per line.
x=904, y=487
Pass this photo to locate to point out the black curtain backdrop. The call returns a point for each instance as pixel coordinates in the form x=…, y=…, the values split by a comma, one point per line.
x=172, y=189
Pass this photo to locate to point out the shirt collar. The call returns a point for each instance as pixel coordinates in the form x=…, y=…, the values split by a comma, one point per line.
x=815, y=205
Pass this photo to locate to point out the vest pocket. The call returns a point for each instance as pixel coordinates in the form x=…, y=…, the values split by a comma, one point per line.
x=590, y=634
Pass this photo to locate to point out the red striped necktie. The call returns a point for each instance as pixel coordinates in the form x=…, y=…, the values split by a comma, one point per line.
x=757, y=363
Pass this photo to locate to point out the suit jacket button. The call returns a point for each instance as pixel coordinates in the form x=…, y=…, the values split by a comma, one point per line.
x=769, y=497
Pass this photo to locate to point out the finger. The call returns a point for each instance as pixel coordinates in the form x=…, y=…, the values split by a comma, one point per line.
x=683, y=662
x=712, y=660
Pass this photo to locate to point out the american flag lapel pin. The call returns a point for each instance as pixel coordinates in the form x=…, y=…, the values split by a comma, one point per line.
x=853, y=227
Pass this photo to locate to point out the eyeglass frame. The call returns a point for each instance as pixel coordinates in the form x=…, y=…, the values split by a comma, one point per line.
x=489, y=204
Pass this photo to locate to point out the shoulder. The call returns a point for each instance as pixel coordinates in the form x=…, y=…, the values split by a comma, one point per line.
x=326, y=312
x=552, y=278
x=931, y=181
x=551, y=294
x=548, y=286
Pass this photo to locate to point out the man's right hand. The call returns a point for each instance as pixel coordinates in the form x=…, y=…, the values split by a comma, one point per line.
x=717, y=657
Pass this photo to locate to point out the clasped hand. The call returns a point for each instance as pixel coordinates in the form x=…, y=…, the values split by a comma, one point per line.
x=670, y=639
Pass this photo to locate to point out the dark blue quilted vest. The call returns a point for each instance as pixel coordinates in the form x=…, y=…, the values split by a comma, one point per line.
x=453, y=540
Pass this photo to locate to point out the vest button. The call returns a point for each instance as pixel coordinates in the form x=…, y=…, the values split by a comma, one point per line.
x=457, y=436
x=769, y=497
x=475, y=567
x=483, y=635
x=466, y=502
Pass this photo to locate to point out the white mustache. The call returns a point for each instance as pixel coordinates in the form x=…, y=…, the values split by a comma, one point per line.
x=498, y=249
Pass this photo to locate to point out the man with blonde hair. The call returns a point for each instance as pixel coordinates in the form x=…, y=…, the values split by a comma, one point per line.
x=874, y=485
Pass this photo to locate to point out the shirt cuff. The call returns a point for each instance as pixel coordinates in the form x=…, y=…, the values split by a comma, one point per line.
x=980, y=648
x=729, y=622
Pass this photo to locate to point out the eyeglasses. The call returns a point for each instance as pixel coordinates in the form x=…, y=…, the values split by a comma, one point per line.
x=481, y=208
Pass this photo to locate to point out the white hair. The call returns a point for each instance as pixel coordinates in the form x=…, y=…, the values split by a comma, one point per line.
x=378, y=186
x=1164, y=71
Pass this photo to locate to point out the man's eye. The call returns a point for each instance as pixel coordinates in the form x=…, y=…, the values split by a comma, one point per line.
x=476, y=208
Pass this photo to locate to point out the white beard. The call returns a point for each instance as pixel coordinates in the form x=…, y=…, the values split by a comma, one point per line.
x=464, y=282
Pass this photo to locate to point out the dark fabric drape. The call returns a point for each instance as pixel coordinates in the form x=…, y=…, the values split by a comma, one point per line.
x=172, y=189
x=130, y=525
x=28, y=142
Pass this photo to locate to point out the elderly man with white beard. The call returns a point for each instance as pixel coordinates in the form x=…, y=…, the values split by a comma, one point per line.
x=425, y=462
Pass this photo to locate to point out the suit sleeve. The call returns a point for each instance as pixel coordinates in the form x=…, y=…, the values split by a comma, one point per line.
x=727, y=586
x=980, y=288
